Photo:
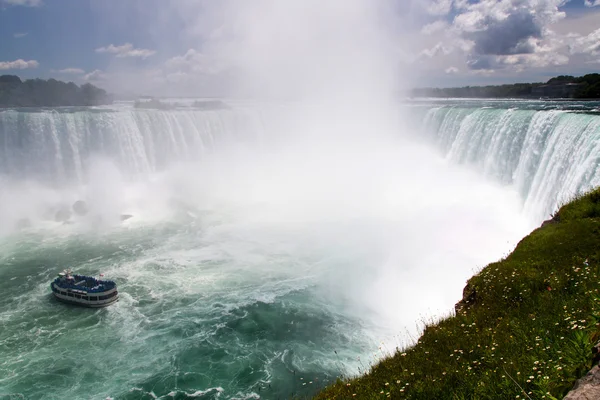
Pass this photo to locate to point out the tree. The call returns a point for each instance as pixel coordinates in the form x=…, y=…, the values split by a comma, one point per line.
x=10, y=79
x=48, y=93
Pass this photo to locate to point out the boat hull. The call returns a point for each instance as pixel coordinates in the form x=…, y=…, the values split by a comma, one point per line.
x=88, y=305
x=83, y=298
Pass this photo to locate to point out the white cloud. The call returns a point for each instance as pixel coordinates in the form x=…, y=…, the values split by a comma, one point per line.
x=587, y=45
x=434, y=27
x=439, y=7
x=94, y=76
x=126, y=50
x=591, y=3
x=436, y=50
x=18, y=64
x=20, y=35
x=452, y=39
x=74, y=71
x=442, y=7
x=507, y=26
x=536, y=60
x=194, y=62
x=177, y=77
x=190, y=74
x=517, y=62
x=507, y=38
x=26, y=3
x=494, y=35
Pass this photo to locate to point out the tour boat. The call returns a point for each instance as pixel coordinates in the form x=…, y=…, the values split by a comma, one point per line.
x=84, y=290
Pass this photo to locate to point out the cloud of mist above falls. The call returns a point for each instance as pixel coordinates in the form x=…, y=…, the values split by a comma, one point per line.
x=287, y=50
x=403, y=228
x=339, y=167
x=310, y=50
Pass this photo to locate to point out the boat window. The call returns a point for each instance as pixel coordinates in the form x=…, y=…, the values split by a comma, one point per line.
x=70, y=294
x=77, y=296
x=94, y=298
x=63, y=293
x=84, y=298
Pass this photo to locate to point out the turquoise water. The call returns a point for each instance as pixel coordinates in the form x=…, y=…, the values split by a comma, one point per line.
x=204, y=312
x=186, y=325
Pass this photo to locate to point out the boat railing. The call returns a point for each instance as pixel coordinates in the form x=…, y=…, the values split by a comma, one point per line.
x=100, y=286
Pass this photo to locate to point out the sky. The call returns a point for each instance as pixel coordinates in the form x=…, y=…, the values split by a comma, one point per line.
x=160, y=47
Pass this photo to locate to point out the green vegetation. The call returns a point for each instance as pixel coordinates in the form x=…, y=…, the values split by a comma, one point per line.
x=506, y=91
x=564, y=86
x=48, y=93
x=525, y=329
x=590, y=85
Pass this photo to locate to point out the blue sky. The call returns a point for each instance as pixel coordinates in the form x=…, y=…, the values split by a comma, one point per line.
x=162, y=46
x=63, y=34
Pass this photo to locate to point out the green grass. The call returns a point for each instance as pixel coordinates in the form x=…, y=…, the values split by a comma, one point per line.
x=528, y=332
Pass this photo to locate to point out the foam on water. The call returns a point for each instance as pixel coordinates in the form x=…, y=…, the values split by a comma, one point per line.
x=260, y=267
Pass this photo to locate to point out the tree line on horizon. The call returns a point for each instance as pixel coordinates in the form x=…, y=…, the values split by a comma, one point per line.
x=54, y=93
x=48, y=93
x=583, y=87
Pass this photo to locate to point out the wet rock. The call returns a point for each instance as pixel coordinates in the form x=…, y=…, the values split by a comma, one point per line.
x=80, y=207
x=469, y=298
x=553, y=220
x=62, y=215
x=125, y=217
x=586, y=388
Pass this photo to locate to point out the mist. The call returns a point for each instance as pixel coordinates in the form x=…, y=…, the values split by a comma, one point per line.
x=276, y=235
x=311, y=191
x=334, y=162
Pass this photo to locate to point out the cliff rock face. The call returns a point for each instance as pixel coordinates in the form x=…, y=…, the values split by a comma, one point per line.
x=587, y=388
x=469, y=298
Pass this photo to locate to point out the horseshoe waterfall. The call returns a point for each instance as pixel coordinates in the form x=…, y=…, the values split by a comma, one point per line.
x=261, y=252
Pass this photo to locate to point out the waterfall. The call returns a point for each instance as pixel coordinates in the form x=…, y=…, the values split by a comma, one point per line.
x=56, y=145
x=549, y=156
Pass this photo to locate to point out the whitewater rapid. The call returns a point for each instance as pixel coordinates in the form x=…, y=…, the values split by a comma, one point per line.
x=264, y=259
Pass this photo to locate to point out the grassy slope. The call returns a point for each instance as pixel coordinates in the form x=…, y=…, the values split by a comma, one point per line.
x=528, y=333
